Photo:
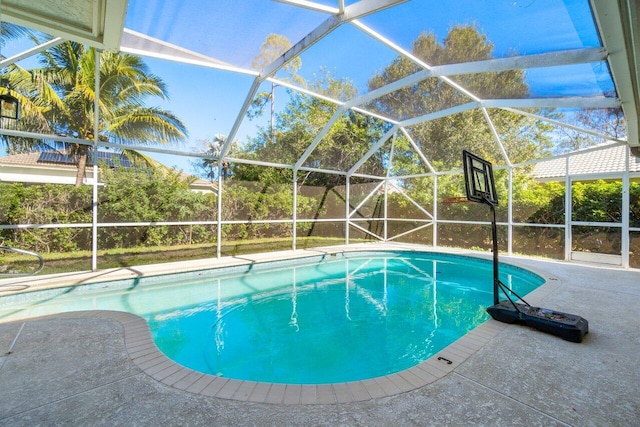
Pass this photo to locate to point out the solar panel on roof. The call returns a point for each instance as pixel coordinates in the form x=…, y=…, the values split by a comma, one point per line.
x=55, y=157
x=104, y=157
x=113, y=159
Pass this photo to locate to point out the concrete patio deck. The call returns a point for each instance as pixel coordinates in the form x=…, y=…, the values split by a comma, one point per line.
x=73, y=369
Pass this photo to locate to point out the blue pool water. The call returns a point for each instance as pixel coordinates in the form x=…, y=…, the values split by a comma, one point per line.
x=310, y=321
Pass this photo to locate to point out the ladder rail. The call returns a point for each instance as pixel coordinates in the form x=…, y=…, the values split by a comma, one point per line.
x=23, y=252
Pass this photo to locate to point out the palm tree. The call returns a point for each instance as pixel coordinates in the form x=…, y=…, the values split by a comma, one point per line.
x=213, y=148
x=274, y=46
x=209, y=166
x=61, y=93
x=10, y=31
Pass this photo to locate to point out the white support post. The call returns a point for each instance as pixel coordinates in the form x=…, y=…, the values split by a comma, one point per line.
x=294, y=217
x=435, y=210
x=94, y=197
x=625, y=212
x=219, y=230
x=510, y=213
x=94, y=217
x=567, y=212
x=385, y=224
x=347, y=214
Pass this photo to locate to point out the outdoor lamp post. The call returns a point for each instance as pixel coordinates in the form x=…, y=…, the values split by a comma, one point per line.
x=9, y=107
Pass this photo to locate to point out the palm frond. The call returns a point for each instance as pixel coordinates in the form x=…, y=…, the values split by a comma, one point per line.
x=140, y=159
x=146, y=125
x=61, y=94
x=9, y=31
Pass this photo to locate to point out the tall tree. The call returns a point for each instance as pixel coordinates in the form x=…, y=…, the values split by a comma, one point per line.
x=10, y=32
x=442, y=140
x=208, y=167
x=298, y=124
x=61, y=93
x=274, y=46
x=608, y=121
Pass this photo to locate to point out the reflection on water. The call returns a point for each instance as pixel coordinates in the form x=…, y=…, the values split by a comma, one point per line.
x=353, y=316
x=342, y=320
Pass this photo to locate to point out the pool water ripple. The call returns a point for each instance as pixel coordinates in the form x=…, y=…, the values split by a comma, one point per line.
x=319, y=320
x=341, y=320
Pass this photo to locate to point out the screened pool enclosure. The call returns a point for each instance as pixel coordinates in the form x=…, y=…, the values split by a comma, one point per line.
x=163, y=130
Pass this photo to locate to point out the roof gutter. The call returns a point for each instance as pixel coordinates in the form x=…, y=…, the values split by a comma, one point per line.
x=618, y=26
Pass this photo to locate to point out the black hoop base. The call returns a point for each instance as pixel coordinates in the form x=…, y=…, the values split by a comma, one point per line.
x=569, y=327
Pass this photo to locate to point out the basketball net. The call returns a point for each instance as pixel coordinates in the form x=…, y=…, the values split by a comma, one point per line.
x=451, y=200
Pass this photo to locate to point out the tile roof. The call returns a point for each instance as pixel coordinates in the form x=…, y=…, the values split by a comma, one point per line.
x=28, y=159
x=46, y=159
x=610, y=158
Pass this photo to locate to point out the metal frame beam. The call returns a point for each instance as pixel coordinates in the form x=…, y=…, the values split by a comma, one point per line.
x=354, y=11
x=29, y=52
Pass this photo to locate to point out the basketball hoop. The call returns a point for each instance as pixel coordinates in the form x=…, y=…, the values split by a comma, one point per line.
x=452, y=200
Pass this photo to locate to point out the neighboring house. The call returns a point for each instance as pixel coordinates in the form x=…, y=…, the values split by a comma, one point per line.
x=603, y=162
x=607, y=162
x=59, y=168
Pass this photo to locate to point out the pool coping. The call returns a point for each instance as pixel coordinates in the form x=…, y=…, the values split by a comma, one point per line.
x=144, y=353
x=149, y=359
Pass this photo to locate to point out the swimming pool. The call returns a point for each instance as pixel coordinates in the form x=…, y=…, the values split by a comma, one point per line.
x=315, y=320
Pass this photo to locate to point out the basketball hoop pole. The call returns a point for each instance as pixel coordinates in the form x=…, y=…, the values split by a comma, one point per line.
x=480, y=187
x=494, y=235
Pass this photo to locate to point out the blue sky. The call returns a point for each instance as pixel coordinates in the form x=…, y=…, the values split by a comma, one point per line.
x=208, y=100
x=237, y=29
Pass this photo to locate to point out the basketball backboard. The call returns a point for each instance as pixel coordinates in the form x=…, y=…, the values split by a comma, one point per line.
x=478, y=179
